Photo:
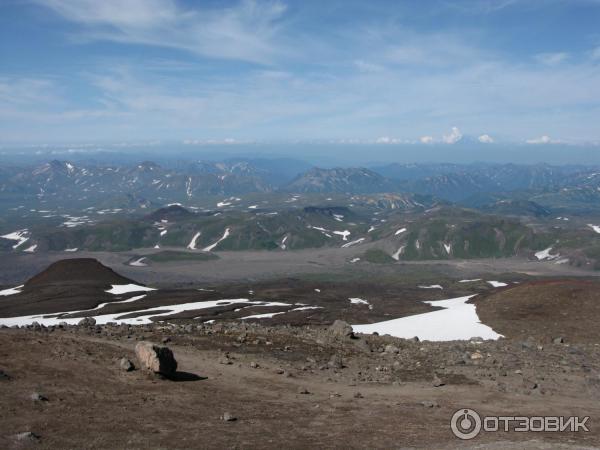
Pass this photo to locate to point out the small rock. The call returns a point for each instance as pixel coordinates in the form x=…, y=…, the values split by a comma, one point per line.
x=87, y=322
x=166, y=340
x=362, y=345
x=254, y=365
x=558, y=340
x=430, y=404
x=37, y=397
x=155, y=358
x=26, y=436
x=336, y=362
x=392, y=349
x=358, y=395
x=341, y=329
x=279, y=371
x=476, y=355
x=437, y=382
x=228, y=417
x=4, y=376
x=303, y=390
x=126, y=365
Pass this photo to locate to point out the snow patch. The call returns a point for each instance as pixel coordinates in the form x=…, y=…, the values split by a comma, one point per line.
x=349, y=244
x=545, y=254
x=192, y=244
x=138, y=262
x=398, y=252
x=118, y=289
x=596, y=228
x=344, y=234
x=21, y=236
x=12, y=291
x=225, y=236
x=457, y=321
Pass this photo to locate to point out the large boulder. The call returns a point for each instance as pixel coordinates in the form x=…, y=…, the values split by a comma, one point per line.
x=156, y=358
x=341, y=329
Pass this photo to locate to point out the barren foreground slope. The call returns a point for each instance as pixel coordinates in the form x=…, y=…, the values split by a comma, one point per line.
x=287, y=387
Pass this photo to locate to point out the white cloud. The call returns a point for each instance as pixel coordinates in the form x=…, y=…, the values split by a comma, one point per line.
x=387, y=140
x=485, y=139
x=246, y=31
x=551, y=59
x=454, y=136
x=542, y=140
x=426, y=139
x=365, y=66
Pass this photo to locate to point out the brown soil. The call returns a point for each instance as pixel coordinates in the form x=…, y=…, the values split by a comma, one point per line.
x=256, y=374
x=545, y=309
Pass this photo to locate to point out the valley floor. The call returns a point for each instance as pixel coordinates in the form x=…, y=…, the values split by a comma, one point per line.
x=262, y=265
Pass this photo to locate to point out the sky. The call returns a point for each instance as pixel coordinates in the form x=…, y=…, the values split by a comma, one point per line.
x=419, y=73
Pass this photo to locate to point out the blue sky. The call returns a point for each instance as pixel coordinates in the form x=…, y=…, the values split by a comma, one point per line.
x=419, y=72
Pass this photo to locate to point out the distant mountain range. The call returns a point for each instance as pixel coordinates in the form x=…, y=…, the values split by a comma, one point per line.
x=149, y=185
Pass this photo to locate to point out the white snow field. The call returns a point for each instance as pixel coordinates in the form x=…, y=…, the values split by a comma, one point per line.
x=457, y=321
x=142, y=319
x=118, y=289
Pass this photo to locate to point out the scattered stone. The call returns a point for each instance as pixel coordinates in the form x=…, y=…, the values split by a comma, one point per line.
x=336, y=362
x=225, y=360
x=156, y=359
x=87, y=322
x=363, y=345
x=437, y=381
x=4, y=376
x=254, y=365
x=430, y=404
x=37, y=397
x=476, y=355
x=166, y=340
x=341, y=329
x=358, y=395
x=228, y=417
x=392, y=349
x=303, y=390
x=279, y=371
x=26, y=436
x=558, y=340
x=126, y=365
